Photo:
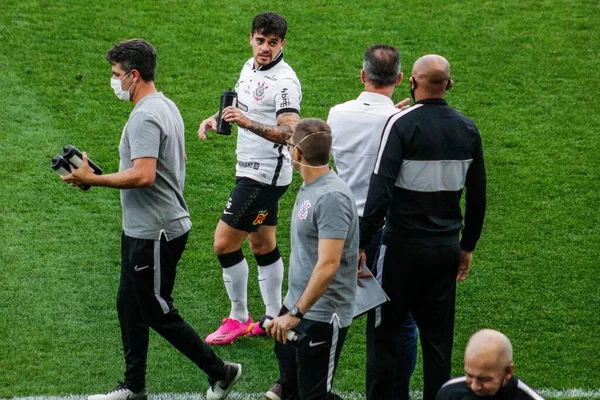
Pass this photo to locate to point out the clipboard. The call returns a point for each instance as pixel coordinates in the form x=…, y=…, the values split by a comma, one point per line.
x=369, y=296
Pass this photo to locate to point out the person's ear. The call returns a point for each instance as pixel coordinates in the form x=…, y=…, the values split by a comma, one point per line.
x=399, y=78
x=508, y=373
x=450, y=84
x=293, y=157
x=413, y=83
x=283, y=43
x=135, y=74
x=363, y=76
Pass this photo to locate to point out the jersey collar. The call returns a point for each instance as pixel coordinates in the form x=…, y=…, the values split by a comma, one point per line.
x=273, y=63
x=371, y=97
x=432, y=101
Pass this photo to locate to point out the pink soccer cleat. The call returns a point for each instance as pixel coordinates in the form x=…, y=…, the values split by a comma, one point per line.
x=256, y=330
x=230, y=330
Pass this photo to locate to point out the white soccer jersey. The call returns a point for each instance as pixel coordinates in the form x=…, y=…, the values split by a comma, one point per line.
x=263, y=94
x=356, y=129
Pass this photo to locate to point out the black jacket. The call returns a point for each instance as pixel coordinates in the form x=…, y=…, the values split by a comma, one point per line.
x=457, y=389
x=427, y=155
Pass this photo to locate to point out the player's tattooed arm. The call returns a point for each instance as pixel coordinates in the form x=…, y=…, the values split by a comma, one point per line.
x=279, y=134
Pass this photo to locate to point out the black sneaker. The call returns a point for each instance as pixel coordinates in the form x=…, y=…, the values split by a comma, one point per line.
x=220, y=389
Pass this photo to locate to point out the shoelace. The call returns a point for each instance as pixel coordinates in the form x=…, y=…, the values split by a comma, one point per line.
x=212, y=386
x=120, y=387
x=230, y=323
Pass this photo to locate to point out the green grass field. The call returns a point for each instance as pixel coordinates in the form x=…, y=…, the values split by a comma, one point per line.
x=525, y=71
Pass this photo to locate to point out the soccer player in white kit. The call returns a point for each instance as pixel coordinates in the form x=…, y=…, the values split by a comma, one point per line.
x=266, y=112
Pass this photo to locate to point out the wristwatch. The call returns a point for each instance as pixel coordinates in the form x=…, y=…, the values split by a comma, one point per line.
x=295, y=312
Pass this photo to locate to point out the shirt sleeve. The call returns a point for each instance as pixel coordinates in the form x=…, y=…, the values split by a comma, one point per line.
x=381, y=187
x=333, y=215
x=288, y=97
x=144, y=135
x=475, y=200
x=443, y=393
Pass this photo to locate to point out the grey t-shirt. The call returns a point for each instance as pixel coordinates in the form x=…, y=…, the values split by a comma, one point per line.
x=324, y=209
x=155, y=129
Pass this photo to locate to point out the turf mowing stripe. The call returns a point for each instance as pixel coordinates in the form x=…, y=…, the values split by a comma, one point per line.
x=547, y=393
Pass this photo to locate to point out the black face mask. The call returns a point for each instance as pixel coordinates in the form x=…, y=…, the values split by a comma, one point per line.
x=412, y=90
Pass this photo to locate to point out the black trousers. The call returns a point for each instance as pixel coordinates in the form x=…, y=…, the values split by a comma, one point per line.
x=406, y=340
x=148, y=269
x=420, y=281
x=306, y=372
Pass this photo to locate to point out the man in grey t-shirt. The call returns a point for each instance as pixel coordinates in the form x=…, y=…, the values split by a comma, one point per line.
x=323, y=269
x=156, y=224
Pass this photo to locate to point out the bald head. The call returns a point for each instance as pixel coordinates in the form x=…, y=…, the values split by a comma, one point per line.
x=431, y=76
x=490, y=345
x=488, y=362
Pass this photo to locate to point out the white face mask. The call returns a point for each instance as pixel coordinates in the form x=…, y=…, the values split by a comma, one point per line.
x=115, y=84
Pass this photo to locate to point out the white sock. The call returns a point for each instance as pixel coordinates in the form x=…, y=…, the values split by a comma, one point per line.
x=270, y=278
x=236, y=283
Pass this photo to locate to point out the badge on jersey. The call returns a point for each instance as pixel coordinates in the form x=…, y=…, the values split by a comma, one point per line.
x=260, y=217
x=259, y=92
x=303, y=213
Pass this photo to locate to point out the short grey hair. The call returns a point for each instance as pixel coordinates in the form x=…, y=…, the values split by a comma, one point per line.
x=381, y=65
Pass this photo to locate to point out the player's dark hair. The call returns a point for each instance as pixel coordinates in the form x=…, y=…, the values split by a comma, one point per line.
x=269, y=23
x=382, y=65
x=315, y=148
x=134, y=54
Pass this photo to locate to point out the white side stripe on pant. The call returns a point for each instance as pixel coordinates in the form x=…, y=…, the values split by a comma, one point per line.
x=161, y=301
x=335, y=322
x=379, y=277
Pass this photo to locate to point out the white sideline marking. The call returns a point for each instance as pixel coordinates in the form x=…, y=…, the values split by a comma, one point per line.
x=547, y=393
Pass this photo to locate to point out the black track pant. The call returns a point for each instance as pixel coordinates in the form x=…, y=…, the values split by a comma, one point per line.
x=306, y=372
x=148, y=269
x=406, y=341
x=420, y=281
